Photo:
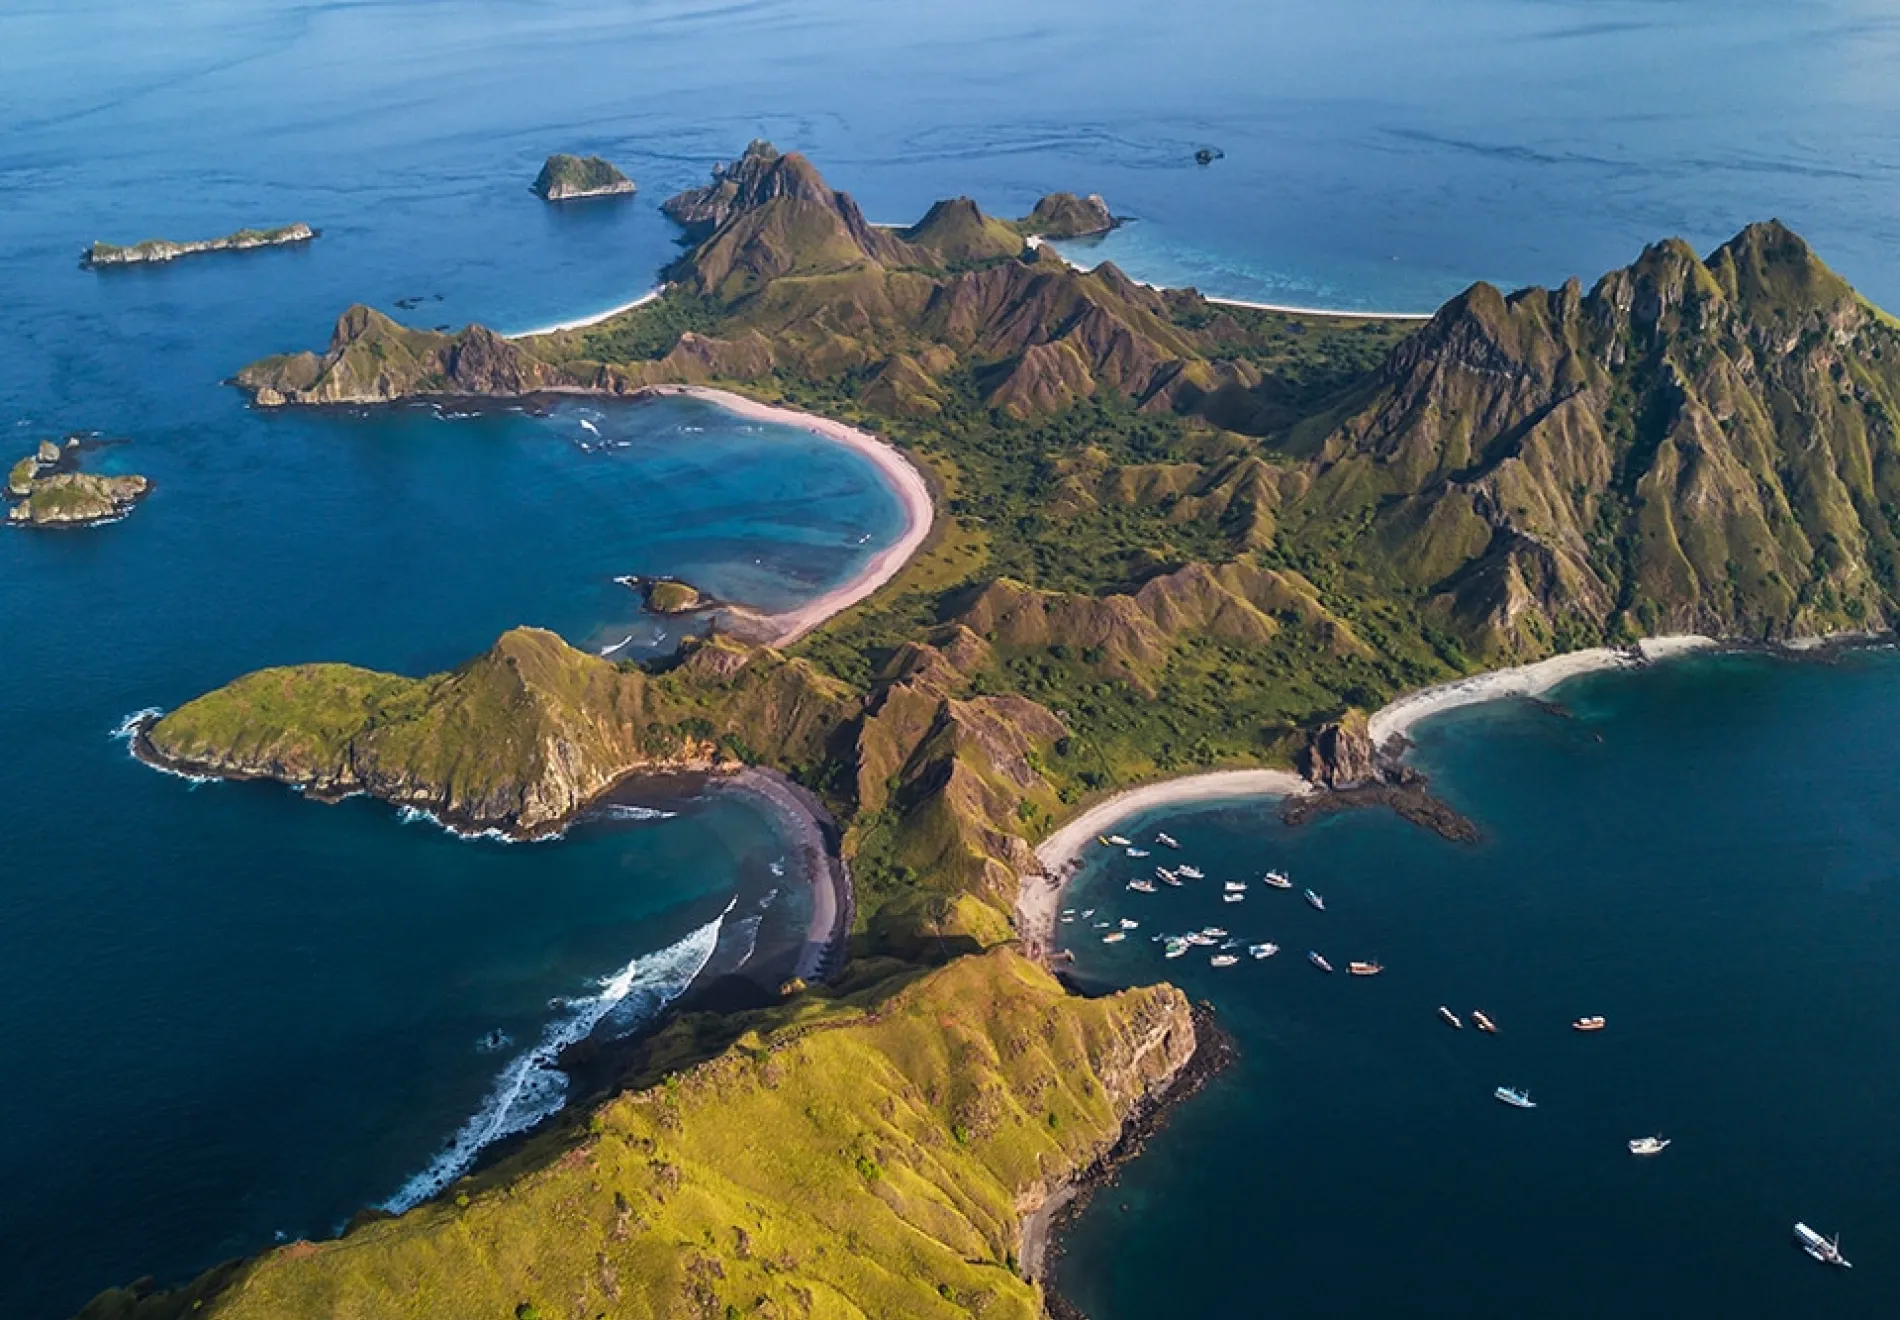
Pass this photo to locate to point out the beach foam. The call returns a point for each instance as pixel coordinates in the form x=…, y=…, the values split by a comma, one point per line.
x=531, y=1087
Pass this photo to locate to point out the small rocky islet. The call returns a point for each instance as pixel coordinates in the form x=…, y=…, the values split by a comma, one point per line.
x=157, y=250
x=567, y=178
x=50, y=491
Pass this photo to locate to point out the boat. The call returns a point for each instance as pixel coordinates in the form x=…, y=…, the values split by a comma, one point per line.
x=1588, y=1024
x=1655, y=1145
x=1233, y=898
x=1825, y=1250
x=1451, y=1018
x=1316, y=900
x=1087, y=913
x=1068, y=912
x=1278, y=879
x=1235, y=886
x=1175, y=948
x=1068, y=921
x=1195, y=937
x=1116, y=841
x=1114, y=937
x=1103, y=840
x=1136, y=852
x=1142, y=886
x=1516, y=1097
x=1129, y=923
x=1484, y=1023
x=1365, y=968
x=1263, y=950
x=1163, y=873
x=1192, y=872
x=1318, y=961
x=1170, y=878
x=1214, y=932
x=1166, y=840
x=1230, y=944
x=1222, y=960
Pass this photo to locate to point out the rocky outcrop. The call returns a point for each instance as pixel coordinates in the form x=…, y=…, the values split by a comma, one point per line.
x=160, y=249
x=51, y=491
x=1340, y=754
x=570, y=178
x=1064, y=215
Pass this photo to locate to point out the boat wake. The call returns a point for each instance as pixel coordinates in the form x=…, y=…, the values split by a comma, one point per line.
x=531, y=1087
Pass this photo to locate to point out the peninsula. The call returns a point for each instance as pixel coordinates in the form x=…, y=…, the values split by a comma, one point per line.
x=569, y=178
x=1170, y=538
x=51, y=491
x=162, y=249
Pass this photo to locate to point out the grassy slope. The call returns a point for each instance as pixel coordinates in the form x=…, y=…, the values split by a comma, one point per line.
x=864, y=1156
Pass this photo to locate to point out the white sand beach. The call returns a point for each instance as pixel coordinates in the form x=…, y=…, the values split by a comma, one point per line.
x=912, y=491
x=581, y=323
x=1039, y=896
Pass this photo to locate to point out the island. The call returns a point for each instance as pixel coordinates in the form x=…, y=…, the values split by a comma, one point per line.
x=50, y=491
x=162, y=249
x=569, y=178
x=1171, y=539
x=670, y=596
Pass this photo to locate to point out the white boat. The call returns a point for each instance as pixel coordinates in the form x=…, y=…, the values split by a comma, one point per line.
x=1136, y=852
x=1451, y=1018
x=1263, y=950
x=1087, y=913
x=1233, y=898
x=1163, y=873
x=1175, y=948
x=1278, y=879
x=1166, y=840
x=1171, y=879
x=1193, y=873
x=1230, y=944
x=1235, y=886
x=1316, y=900
x=1068, y=921
x=1068, y=912
x=1129, y=923
x=1516, y=1097
x=1195, y=937
x=1655, y=1145
x=1214, y=932
x=1118, y=841
x=1319, y=961
x=1114, y=937
x=1142, y=886
x=1825, y=1250
x=1222, y=960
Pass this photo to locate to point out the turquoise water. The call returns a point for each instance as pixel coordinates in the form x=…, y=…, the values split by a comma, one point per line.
x=230, y=1013
x=1705, y=854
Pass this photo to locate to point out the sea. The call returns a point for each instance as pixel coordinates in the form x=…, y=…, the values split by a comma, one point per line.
x=233, y=1017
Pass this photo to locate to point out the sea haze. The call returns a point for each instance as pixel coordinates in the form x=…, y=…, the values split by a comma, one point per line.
x=233, y=1013
x=1707, y=855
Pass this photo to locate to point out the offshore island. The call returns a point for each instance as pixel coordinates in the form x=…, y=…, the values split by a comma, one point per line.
x=569, y=178
x=157, y=250
x=1168, y=537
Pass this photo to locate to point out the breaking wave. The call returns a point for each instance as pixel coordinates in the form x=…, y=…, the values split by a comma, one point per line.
x=408, y=815
x=629, y=811
x=531, y=1088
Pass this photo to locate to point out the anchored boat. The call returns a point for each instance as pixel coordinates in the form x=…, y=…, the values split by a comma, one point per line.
x=1318, y=961
x=1484, y=1023
x=1263, y=950
x=1166, y=841
x=1278, y=879
x=1316, y=900
x=1825, y=1250
x=1114, y=937
x=1588, y=1024
x=1365, y=968
x=1655, y=1145
x=1451, y=1018
x=1233, y=898
x=1142, y=886
x=1192, y=873
x=1136, y=852
x=1116, y=841
x=1516, y=1097
x=1222, y=960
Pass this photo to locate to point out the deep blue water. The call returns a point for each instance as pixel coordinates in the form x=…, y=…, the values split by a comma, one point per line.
x=215, y=1002
x=1707, y=855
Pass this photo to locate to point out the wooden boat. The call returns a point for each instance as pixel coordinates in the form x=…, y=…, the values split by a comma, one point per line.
x=1278, y=879
x=1451, y=1018
x=1222, y=960
x=1655, y=1145
x=1484, y=1023
x=1588, y=1024
x=1365, y=968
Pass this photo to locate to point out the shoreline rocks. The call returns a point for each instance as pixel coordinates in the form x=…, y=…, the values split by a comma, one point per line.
x=51, y=491
x=162, y=249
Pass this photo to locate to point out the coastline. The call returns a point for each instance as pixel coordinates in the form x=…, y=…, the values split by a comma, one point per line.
x=1036, y=241
x=581, y=323
x=902, y=477
x=815, y=835
x=1039, y=895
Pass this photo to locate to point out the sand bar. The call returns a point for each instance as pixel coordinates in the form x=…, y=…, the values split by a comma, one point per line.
x=912, y=492
x=1039, y=896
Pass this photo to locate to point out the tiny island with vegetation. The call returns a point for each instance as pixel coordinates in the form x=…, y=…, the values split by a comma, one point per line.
x=570, y=178
x=1172, y=535
x=163, y=249
x=49, y=490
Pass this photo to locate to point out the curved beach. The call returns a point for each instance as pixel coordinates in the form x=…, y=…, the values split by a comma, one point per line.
x=1039, y=896
x=581, y=323
x=903, y=478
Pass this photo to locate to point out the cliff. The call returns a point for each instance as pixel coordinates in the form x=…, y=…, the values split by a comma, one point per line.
x=568, y=178
x=160, y=249
x=518, y=739
x=873, y=1155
